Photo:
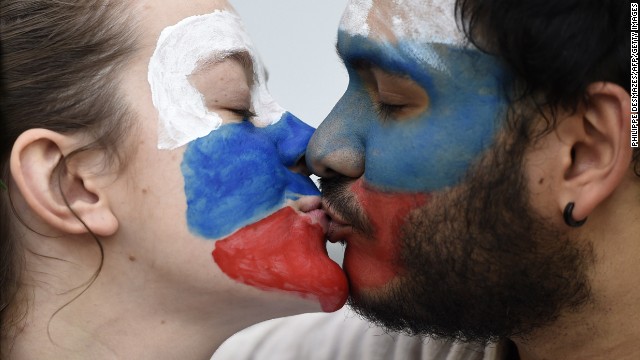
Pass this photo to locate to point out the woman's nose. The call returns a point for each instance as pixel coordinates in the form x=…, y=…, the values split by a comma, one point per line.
x=301, y=167
x=291, y=136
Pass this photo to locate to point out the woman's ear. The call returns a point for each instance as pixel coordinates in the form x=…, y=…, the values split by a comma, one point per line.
x=65, y=194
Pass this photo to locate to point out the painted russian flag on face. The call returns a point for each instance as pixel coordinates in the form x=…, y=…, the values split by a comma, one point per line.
x=237, y=174
x=237, y=181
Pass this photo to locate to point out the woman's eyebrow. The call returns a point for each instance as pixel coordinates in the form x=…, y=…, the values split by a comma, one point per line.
x=242, y=57
x=246, y=61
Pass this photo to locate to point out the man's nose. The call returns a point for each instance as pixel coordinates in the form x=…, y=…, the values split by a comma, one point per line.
x=334, y=151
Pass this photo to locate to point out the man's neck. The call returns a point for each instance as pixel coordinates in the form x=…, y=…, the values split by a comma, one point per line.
x=583, y=342
x=608, y=327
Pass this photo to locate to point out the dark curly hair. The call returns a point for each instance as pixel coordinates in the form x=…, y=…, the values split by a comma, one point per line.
x=554, y=49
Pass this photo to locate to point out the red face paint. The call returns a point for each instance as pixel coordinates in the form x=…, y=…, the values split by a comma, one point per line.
x=284, y=251
x=371, y=261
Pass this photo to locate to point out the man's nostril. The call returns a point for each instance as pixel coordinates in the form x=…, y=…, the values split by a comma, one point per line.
x=329, y=172
x=345, y=162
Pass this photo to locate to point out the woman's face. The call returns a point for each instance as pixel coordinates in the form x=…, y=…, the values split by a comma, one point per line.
x=213, y=201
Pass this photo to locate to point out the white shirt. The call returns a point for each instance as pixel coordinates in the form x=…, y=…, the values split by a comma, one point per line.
x=340, y=336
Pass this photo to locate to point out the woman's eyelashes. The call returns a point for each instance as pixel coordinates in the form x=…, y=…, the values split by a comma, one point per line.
x=225, y=88
x=246, y=114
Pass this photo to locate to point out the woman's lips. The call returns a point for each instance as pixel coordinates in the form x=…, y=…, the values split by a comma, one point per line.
x=308, y=203
x=285, y=251
x=311, y=207
x=318, y=216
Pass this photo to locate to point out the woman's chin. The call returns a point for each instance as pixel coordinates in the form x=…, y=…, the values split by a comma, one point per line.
x=285, y=252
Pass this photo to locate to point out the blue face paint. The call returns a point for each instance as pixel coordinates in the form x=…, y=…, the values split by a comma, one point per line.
x=434, y=149
x=238, y=174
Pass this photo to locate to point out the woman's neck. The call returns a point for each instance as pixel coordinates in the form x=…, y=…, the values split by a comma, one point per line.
x=132, y=310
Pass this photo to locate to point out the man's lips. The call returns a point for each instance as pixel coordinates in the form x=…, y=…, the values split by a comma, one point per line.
x=339, y=229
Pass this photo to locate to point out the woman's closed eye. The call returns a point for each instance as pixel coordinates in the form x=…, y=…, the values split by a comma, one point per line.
x=246, y=114
x=225, y=88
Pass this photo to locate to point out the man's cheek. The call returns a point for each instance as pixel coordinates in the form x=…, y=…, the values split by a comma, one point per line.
x=371, y=260
x=414, y=155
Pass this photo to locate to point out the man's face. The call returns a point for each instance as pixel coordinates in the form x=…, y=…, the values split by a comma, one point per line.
x=418, y=110
x=433, y=244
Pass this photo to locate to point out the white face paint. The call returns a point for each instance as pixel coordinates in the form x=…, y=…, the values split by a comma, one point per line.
x=183, y=115
x=422, y=20
x=354, y=18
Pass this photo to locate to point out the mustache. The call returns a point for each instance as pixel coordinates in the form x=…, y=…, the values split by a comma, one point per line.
x=336, y=194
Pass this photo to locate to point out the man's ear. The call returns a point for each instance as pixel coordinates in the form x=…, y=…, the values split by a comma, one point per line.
x=64, y=194
x=596, y=150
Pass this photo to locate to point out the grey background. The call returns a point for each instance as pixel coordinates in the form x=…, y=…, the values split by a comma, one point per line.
x=296, y=40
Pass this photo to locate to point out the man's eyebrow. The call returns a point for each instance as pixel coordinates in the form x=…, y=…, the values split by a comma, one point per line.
x=357, y=63
x=373, y=57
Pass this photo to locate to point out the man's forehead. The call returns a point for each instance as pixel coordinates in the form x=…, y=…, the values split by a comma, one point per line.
x=420, y=20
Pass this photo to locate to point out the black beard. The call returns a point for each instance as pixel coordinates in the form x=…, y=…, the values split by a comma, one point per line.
x=480, y=264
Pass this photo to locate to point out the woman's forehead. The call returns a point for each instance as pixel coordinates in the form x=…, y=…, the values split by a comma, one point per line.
x=202, y=38
x=181, y=50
